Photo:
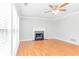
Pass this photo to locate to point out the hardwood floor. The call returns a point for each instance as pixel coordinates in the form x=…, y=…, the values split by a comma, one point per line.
x=51, y=47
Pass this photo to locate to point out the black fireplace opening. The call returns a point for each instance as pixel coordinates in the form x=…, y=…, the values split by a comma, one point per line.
x=39, y=35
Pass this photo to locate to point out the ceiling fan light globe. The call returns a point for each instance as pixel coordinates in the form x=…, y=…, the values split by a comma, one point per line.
x=57, y=11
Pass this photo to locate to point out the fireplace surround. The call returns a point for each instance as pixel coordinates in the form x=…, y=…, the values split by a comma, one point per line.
x=39, y=35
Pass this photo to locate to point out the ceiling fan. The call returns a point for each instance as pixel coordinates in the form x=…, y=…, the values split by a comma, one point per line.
x=55, y=9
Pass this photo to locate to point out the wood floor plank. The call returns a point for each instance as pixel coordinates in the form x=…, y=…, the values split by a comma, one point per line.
x=50, y=47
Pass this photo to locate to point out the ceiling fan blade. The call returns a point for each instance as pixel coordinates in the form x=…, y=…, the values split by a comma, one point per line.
x=50, y=6
x=62, y=9
x=53, y=7
x=64, y=4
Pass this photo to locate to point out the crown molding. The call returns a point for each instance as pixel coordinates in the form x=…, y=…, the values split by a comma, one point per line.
x=50, y=18
x=67, y=15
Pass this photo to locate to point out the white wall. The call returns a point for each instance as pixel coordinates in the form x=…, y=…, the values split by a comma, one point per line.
x=15, y=30
x=9, y=39
x=67, y=28
x=5, y=28
x=27, y=24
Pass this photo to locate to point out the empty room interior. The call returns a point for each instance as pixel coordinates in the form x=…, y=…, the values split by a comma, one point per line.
x=46, y=29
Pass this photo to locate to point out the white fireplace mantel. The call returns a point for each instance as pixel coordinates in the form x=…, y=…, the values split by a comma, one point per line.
x=39, y=29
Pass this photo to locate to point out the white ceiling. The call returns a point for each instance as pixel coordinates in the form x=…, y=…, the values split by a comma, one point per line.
x=38, y=10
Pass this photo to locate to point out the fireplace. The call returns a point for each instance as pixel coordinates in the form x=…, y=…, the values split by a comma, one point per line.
x=39, y=35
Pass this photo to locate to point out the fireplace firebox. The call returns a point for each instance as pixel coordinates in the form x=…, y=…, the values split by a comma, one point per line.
x=39, y=35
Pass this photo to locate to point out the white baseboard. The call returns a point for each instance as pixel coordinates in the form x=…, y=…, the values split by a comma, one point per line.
x=59, y=39
x=68, y=41
x=27, y=40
